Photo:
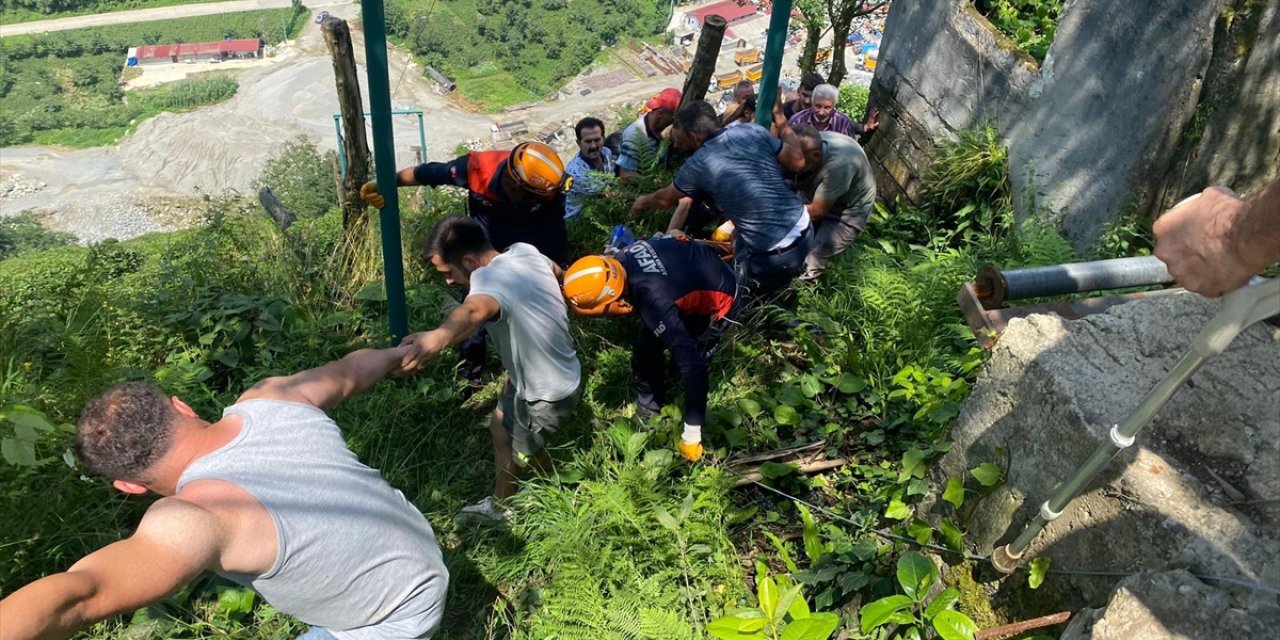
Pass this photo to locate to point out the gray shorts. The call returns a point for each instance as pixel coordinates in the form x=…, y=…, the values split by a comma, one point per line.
x=834, y=233
x=529, y=424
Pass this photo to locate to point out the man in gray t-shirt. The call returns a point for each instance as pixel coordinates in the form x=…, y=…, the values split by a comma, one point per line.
x=841, y=190
x=516, y=296
x=739, y=169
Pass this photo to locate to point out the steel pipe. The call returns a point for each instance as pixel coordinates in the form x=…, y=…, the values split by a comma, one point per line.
x=994, y=287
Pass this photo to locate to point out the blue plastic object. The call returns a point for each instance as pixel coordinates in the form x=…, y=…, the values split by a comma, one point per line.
x=619, y=239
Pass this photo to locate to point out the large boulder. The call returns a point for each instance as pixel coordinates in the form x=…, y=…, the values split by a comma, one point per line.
x=1169, y=605
x=1198, y=491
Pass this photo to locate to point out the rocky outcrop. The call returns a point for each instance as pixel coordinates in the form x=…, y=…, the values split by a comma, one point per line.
x=1198, y=491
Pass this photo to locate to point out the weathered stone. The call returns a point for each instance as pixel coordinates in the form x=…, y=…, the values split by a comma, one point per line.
x=1048, y=397
x=1170, y=605
x=1098, y=126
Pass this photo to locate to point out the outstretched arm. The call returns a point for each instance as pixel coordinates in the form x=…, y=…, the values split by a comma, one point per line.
x=464, y=320
x=1214, y=242
x=327, y=386
x=663, y=198
x=175, y=541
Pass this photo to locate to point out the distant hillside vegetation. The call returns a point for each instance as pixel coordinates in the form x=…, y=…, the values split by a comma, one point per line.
x=503, y=51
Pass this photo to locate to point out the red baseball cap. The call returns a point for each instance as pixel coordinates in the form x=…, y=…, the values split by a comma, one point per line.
x=668, y=99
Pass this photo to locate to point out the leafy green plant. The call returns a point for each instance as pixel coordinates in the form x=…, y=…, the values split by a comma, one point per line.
x=1031, y=24
x=781, y=614
x=28, y=432
x=853, y=100
x=24, y=232
x=912, y=609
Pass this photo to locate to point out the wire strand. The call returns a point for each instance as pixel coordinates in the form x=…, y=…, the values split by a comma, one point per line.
x=1248, y=584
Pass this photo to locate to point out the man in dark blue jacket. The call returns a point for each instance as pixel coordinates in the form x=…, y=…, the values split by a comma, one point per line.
x=685, y=295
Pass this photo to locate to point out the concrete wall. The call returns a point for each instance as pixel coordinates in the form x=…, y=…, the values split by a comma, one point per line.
x=1100, y=125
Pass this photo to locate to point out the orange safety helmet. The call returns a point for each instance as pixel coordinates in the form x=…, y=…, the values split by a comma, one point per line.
x=593, y=286
x=538, y=169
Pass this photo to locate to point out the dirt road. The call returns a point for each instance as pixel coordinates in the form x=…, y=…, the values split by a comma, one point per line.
x=222, y=148
x=139, y=15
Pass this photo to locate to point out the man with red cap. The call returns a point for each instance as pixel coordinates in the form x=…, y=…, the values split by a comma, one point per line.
x=640, y=139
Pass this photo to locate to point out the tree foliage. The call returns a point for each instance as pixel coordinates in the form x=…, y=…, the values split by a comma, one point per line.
x=539, y=42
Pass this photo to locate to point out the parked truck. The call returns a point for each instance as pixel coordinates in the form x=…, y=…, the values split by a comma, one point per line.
x=755, y=73
x=746, y=55
x=726, y=80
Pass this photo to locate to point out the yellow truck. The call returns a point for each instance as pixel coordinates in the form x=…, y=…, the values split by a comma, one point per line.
x=755, y=73
x=727, y=80
x=746, y=55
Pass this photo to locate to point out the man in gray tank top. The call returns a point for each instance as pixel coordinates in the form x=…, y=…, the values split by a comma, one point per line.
x=268, y=496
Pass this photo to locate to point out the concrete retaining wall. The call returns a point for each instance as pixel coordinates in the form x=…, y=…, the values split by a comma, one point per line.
x=1119, y=115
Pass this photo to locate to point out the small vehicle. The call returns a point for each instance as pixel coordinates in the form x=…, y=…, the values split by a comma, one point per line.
x=586, y=91
x=190, y=61
x=215, y=60
x=746, y=55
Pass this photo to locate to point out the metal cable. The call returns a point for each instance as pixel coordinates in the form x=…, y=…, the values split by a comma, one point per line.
x=1256, y=586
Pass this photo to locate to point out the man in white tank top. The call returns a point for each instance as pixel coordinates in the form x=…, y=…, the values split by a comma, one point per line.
x=251, y=496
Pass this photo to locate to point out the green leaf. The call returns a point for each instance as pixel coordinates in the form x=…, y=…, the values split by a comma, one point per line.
x=943, y=601
x=812, y=543
x=877, y=613
x=850, y=384
x=784, y=602
x=810, y=385
x=954, y=492
x=775, y=470
x=667, y=520
x=767, y=593
x=372, y=291
x=749, y=407
x=917, y=487
x=786, y=414
x=783, y=551
x=1037, y=570
x=229, y=357
x=952, y=535
x=818, y=626
x=953, y=625
x=916, y=574
x=799, y=609
x=22, y=415
x=752, y=625
x=920, y=531
x=726, y=628
x=25, y=433
x=912, y=465
x=897, y=510
x=19, y=453
x=988, y=473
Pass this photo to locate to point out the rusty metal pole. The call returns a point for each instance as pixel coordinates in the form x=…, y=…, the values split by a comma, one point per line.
x=355, y=146
x=704, y=60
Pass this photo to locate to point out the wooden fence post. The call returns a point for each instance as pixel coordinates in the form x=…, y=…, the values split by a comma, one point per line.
x=337, y=37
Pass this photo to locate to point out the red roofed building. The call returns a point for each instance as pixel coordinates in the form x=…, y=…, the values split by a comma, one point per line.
x=192, y=51
x=730, y=10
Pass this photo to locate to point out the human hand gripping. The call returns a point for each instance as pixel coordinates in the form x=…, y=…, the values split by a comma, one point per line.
x=1197, y=240
x=420, y=348
x=369, y=193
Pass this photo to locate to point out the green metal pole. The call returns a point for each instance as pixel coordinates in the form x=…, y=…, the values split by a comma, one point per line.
x=375, y=53
x=773, y=62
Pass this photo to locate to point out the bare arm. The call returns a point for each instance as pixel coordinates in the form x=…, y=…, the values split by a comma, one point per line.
x=818, y=209
x=327, y=386
x=461, y=323
x=663, y=198
x=791, y=157
x=175, y=541
x=1214, y=242
x=680, y=216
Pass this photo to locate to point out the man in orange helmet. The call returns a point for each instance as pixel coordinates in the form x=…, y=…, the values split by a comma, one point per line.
x=686, y=296
x=517, y=196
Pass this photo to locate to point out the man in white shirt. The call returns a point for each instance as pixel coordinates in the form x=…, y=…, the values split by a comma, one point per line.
x=516, y=296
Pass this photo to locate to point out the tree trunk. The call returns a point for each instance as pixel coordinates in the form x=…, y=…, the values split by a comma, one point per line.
x=337, y=37
x=282, y=216
x=809, y=57
x=842, y=14
x=704, y=61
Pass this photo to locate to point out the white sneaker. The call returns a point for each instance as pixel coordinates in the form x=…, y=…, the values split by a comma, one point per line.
x=487, y=511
